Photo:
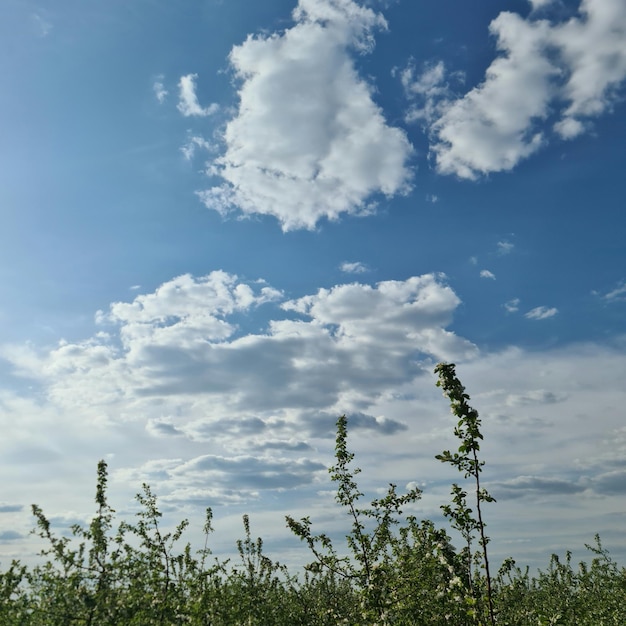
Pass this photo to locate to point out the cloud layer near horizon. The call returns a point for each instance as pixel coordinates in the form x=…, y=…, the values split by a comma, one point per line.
x=180, y=392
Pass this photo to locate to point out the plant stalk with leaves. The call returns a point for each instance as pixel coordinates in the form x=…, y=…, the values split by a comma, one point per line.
x=466, y=461
x=371, y=548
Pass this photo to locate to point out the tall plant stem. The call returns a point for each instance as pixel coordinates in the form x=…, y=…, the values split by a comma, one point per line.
x=483, y=542
x=466, y=461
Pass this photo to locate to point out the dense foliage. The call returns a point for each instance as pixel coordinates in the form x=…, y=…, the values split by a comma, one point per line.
x=398, y=570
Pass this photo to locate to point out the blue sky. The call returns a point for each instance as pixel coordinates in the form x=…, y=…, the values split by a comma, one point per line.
x=226, y=223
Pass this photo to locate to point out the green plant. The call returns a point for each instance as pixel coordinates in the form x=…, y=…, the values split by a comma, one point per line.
x=467, y=462
x=400, y=568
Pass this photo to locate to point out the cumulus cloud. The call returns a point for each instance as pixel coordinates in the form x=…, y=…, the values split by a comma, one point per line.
x=491, y=128
x=592, y=48
x=181, y=348
x=487, y=274
x=541, y=313
x=550, y=79
x=416, y=309
x=307, y=141
x=188, y=103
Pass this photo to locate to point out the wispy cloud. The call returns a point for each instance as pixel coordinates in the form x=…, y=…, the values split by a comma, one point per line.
x=541, y=313
x=188, y=103
x=193, y=144
x=539, y=4
x=42, y=25
x=326, y=149
x=159, y=89
x=355, y=267
x=617, y=294
x=505, y=247
x=487, y=274
x=512, y=306
x=429, y=91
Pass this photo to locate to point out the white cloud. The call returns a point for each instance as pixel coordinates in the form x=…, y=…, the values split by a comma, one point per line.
x=491, y=128
x=512, y=306
x=193, y=144
x=592, y=48
x=428, y=91
x=569, y=128
x=541, y=313
x=183, y=340
x=308, y=142
x=355, y=267
x=505, y=247
x=487, y=274
x=159, y=89
x=43, y=25
x=428, y=83
x=188, y=103
x=617, y=294
x=539, y=4
x=568, y=71
x=380, y=319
